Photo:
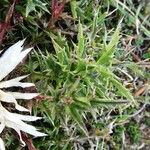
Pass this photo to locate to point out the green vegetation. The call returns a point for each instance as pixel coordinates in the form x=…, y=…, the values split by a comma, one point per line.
x=134, y=132
x=91, y=65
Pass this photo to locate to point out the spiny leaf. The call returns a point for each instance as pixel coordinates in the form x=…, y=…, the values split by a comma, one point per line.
x=110, y=48
x=30, y=7
x=81, y=39
x=75, y=114
x=73, y=5
x=122, y=90
x=83, y=101
x=107, y=102
x=32, y=4
x=61, y=54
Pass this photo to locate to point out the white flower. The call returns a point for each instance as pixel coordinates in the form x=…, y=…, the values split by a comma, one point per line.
x=2, y=146
x=8, y=61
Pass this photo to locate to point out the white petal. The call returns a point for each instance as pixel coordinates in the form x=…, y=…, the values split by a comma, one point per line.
x=20, y=108
x=7, y=97
x=17, y=124
x=13, y=121
x=2, y=146
x=26, y=117
x=2, y=126
x=26, y=96
x=15, y=83
x=37, y=133
x=11, y=58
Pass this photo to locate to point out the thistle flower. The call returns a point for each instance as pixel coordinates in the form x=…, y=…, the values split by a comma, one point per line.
x=8, y=61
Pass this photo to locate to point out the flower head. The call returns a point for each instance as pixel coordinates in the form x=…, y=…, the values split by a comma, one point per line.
x=8, y=62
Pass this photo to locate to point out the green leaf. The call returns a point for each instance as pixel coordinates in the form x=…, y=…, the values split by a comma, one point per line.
x=73, y=5
x=107, y=102
x=41, y=5
x=110, y=48
x=124, y=91
x=75, y=114
x=81, y=67
x=32, y=4
x=61, y=54
x=74, y=86
x=81, y=39
x=83, y=101
x=147, y=55
x=30, y=7
x=105, y=73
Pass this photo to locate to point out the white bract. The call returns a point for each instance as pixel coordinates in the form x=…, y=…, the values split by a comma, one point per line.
x=8, y=61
